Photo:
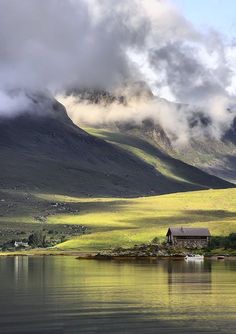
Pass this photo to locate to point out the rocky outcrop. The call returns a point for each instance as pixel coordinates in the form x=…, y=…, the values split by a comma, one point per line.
x=141, y=251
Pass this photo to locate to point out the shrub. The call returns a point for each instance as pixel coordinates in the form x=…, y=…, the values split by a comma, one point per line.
x=37, y=239
x=228, y=242
x=155, y=241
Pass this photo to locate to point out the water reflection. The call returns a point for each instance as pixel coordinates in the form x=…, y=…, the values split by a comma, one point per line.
x=64, y=295
x=21, y=265
x=189, y=273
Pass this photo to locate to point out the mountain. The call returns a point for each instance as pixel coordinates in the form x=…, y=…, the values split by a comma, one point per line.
x=41, y=150
x=212, y=155
x=171, y=168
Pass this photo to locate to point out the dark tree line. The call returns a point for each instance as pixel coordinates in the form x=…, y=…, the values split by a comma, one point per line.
x=227, y=242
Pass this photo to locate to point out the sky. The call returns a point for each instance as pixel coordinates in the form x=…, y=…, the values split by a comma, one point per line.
x=216, y=14
x=60, y=46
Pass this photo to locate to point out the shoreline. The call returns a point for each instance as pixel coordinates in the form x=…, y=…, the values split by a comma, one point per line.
x=39, y=252
x=83, y=255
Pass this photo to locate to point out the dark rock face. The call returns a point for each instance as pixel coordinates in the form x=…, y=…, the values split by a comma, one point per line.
x=136, y=90
x=230, y=135
x=212, y=155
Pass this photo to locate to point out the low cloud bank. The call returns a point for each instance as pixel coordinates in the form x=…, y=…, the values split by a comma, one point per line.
x=180, y=122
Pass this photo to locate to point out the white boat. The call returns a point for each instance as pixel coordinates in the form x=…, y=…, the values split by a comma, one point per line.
x=194, y=257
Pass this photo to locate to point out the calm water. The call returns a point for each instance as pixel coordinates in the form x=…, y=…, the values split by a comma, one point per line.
x=65, y=295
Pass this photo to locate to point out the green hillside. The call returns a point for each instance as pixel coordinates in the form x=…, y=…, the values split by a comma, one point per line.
x=214, y=156
x=128, y=221
x=123, y=222
x=50, y=154
x=171, y=168
x=54, y=175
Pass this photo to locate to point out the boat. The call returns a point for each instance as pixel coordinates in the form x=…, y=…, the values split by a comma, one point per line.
x=194, y=257
x=220, y=257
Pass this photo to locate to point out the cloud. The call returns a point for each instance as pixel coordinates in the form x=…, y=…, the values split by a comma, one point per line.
x=189, y=79
x=13, y=104
x=181, y=122
x=56, y=46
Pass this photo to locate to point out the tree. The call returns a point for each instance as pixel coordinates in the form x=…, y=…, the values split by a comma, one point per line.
x=37, y=239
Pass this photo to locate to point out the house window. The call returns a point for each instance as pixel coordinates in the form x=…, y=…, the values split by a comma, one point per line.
x=190, y=238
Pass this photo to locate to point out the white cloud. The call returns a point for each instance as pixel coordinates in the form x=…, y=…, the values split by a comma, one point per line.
x=56, y=45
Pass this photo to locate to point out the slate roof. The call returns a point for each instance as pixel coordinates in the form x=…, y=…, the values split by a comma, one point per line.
x=189, y=232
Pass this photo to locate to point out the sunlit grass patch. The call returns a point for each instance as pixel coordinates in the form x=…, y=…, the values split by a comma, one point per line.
x=116, y=222
x=140, y=220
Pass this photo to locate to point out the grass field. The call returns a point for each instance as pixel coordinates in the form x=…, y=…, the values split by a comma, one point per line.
x=125, y=222
x=116, y=222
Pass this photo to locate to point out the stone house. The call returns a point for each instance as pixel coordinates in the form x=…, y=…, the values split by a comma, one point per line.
x=185, y=237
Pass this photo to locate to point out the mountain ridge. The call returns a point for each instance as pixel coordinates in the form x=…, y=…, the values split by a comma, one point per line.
x=48, y=153
x=212, y=154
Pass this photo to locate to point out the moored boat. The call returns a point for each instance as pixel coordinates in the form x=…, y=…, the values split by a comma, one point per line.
x=194, y=257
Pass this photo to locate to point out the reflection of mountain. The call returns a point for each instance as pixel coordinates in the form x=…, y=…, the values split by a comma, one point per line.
x=63, y=294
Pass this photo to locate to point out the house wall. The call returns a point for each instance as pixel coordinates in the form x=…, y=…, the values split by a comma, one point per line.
x=191, y=242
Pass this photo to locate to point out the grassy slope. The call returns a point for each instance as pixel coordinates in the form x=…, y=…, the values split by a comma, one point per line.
x=123, y=222
x=174, y=169
x=128, y=221
x=137, y=147
x=50, y=154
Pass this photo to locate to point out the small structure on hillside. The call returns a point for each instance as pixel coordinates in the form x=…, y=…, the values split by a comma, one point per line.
x=186, y=237
x=21, y=244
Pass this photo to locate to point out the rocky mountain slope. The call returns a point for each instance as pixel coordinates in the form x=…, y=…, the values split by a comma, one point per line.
x=213, y=155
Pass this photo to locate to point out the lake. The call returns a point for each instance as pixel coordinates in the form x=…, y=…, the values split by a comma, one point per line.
x=65, y=295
